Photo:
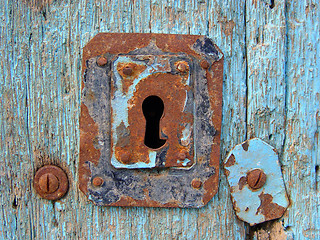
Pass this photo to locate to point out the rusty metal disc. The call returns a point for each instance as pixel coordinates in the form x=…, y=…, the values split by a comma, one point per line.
x=51, y=182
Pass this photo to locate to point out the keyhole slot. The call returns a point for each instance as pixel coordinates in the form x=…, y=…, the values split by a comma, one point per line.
x=152, y=108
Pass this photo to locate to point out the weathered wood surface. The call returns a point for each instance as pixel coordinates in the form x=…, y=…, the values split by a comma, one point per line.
x=271, y=91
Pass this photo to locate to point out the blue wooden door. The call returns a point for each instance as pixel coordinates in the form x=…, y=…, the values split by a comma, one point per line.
x=271, y=90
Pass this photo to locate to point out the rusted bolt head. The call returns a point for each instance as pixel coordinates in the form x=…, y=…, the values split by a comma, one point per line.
x=97, y=181
x=102, y=61
x=182, y=67
x=256, y=178
x=48, y=183
x=196, y=183
x=125, y=157
x=51, y=182
x=204, y=64
x=182, y=155
x=127, y=71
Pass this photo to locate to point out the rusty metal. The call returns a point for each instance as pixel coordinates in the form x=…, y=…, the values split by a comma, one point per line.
x=256, y=178
x=152, y=76
x=182, y=155
x=125, y=157
x=97, y=181
x=51, y=182
x=256, y=185
x=182, y=66
x=204, y=64
x=196, y=183
x=127, y=71
x=48, y=183
x=102, y=61
x=112, y=124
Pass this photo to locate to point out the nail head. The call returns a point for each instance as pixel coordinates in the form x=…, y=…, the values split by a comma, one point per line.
x=196, y=183
x=102, y=61
x=97, y=181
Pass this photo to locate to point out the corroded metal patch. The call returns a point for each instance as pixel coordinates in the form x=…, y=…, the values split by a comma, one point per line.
x=151, y=75
x=254, y=175
x=121, y=71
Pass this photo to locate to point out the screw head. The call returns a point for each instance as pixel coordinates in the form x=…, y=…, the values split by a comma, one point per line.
x=127, y=71
x=102, y=61
x=51, y=182
x=182, y=67
x=256, y=178
x=48, y=183
x=196, y=183
x=97, y=181
x=204, y=64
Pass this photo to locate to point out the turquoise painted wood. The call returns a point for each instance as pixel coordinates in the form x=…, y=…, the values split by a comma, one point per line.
x=271, y=91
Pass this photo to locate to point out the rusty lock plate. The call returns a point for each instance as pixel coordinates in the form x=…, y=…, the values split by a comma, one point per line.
x=150, y=120
x=152, y=78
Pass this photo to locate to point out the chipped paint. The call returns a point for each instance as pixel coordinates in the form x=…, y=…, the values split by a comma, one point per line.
x=184, y=162
x=256, y=205
x=186, y=138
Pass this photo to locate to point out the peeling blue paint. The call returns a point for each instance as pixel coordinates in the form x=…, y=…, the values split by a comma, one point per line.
x=254, y=154
x=184, y=162
x=186, y=135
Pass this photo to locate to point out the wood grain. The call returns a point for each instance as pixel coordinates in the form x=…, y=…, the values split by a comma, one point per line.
x=271, y=91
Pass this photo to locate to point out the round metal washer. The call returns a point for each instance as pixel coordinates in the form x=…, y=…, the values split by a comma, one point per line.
x=59, y=174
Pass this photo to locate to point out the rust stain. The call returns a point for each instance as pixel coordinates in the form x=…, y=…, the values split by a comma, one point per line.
x=38, y=4
x=123, y=135
x=269, y=209
x=90, y=95
x=255, y=2
x=227, y=27
x=310, y=7
x=245, y=145
x=214, y=89
x=211, y=187
x=88, y=132
x=226, y=172
x=273, y=230
x=231, y=161
x=126, y=201
x=128, y=79
x=242, y=182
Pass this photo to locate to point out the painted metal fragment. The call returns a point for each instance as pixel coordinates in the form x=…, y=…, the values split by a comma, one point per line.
x=121, y=72
x=256, y=185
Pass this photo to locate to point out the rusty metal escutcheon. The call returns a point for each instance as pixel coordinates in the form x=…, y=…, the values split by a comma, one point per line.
x=151, y=75
x=150, y=120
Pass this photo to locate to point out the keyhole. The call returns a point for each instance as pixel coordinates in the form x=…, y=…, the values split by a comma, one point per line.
x=152, y=108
